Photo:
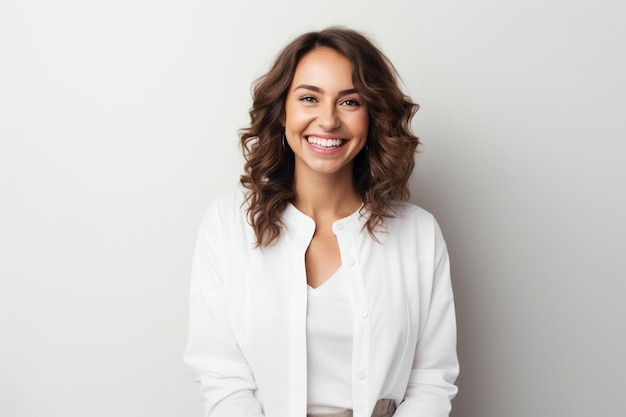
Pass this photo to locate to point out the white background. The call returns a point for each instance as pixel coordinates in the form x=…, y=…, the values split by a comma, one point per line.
x=118, y=123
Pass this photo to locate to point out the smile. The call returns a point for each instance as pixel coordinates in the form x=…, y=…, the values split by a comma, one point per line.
x=325, y=143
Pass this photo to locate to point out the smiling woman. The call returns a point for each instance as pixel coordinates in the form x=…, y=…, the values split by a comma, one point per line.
x=325, y=122
x=315, y=289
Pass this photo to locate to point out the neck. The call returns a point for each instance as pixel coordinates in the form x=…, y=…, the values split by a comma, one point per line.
x=326, y=197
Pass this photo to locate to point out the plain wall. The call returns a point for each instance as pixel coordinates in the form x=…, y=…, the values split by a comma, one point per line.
x=118, y=123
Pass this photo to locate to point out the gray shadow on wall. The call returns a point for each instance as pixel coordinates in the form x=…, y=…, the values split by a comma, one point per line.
x=432, y=192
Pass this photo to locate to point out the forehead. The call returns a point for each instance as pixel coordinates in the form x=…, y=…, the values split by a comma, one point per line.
x=324, y=67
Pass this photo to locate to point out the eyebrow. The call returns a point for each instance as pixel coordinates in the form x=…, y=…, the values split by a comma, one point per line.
x=319, y=90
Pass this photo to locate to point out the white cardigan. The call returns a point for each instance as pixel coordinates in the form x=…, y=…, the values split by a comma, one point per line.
x=247, y=335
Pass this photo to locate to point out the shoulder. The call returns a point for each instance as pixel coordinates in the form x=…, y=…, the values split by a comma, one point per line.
x=228, y=201
x=226, y=213
x=405, y=212
x=412, y=225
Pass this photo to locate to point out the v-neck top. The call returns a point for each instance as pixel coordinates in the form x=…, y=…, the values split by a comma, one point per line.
x=329, y=326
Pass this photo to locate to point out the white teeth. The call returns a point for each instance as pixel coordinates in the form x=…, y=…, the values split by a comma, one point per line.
x=324, y=143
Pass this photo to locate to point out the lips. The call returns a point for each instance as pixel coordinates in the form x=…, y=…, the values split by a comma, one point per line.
x=325, y=143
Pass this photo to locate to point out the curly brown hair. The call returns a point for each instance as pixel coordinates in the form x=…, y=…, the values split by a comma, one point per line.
x=381, y=170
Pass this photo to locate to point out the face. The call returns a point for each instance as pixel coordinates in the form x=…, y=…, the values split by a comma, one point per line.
x=326, y=119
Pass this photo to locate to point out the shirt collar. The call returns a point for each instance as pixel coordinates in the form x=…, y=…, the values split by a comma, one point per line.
x=294, y=219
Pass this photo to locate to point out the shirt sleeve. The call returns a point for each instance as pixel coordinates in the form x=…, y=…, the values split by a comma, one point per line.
x=213, y=354
x=435, y=364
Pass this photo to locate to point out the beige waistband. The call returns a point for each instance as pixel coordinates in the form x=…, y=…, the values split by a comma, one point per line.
x=383, y=408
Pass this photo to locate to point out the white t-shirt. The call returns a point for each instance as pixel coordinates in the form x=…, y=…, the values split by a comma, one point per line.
x=329, y=331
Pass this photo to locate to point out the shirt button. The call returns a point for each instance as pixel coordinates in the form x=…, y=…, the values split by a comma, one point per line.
x=340, y=226
x=361, y=375
x=351, y=261
x=363, y=314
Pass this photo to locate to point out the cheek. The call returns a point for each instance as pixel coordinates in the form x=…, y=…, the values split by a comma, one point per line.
x=294, y=117
x=360, y=124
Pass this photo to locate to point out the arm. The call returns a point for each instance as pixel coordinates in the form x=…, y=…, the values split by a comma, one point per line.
x=212, y=353
x=435, y=364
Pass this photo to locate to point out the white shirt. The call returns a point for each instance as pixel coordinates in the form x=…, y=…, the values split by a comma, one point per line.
x=329, y=330
x=247, y=335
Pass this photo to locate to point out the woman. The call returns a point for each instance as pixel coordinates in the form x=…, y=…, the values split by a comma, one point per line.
x=315, y=290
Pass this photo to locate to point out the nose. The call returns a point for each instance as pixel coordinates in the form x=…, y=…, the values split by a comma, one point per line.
x=327, y=118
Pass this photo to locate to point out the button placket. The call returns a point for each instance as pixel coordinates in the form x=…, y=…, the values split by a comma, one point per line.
x=361, y=346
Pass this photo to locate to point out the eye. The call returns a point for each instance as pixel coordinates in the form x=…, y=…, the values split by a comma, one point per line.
x=350, y=102
x=308, y=99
